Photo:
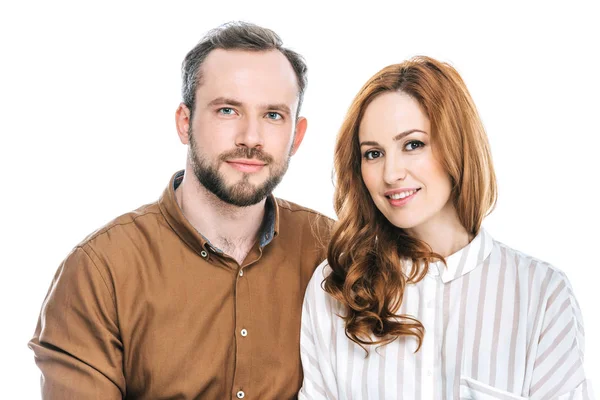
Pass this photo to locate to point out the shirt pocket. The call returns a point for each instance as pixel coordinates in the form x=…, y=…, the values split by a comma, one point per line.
x=470, y=389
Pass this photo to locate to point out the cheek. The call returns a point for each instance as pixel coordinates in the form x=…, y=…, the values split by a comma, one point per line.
x=439, y=179
x=279, y=137
x=429, y=170
x=215, y=135
x=370, y=177
x=440, y=175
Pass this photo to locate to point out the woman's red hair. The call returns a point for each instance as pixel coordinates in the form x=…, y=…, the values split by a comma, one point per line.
x=367, y=254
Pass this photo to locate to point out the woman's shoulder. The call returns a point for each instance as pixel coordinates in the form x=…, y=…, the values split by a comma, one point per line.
x=535, y=275
x=315, y=285
x=316, y=296
x=526, y=262
x=323, y=270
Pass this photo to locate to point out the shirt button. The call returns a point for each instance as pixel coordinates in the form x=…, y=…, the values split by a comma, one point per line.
x=244, y=332
x=428, y=372
x=241, y=272
x=240, y=394
x=204, y=254
x=430, y=304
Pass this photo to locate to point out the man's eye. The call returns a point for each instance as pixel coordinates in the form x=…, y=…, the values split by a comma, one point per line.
x=226, y=111
x=274, y=116
x=372, y=154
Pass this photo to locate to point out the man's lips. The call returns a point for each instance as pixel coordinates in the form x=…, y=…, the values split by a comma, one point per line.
x=246, y=165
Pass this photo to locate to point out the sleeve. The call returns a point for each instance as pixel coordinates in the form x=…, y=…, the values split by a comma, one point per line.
x=558, y=371
x=315, y=342
x=77, y=344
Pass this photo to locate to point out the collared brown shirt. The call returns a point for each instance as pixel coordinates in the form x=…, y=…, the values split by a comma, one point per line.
x=147, y=308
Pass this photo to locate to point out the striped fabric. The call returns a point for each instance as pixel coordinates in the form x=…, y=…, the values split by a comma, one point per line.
x=498, y=325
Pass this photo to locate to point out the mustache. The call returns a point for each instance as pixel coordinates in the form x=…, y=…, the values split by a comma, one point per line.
x=246, y=152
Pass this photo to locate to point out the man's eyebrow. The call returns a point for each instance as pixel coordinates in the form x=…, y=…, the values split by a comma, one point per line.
x=279, y=107
x=396, y=138
x=224, y=100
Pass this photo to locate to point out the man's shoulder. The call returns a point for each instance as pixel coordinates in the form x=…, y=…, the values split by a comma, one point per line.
x=125, y=225
x=296, y=218
x=299, y=211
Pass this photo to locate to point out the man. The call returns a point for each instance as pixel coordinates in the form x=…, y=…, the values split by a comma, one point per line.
x=198, y=296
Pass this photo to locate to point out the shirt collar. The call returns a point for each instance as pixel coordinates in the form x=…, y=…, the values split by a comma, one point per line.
x=465, y=260
x=179, y=223
x=270, y=226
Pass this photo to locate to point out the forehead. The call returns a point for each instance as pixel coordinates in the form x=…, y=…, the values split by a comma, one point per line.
x=391, y=113
x=249, y=76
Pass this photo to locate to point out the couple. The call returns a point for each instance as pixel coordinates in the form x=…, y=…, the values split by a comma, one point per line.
x=212, y=292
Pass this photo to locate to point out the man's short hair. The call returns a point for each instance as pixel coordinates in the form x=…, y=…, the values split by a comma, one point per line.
x=236, y=36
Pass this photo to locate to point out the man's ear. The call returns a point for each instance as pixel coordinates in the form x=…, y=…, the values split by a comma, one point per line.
x=301, y=126
x=182, y=122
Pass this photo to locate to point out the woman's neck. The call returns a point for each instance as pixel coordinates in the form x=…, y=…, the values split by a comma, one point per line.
x=443, y=233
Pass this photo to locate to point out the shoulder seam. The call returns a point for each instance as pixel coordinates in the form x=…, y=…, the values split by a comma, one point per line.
x=528, y=256
x=303, y=209
x=114, y=225
x=98, y=270
x=574, y=308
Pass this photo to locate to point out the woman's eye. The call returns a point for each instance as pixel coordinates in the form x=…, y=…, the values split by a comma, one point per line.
x=274, y=116
x=413, y=145
x=372, y=154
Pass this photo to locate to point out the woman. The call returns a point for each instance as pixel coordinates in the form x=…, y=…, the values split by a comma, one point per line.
x=415, y=299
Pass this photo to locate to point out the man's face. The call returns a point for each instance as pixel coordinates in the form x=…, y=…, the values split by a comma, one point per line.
x=241, y=134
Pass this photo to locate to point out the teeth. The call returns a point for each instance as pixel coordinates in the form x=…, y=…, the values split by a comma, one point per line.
x=401, y=195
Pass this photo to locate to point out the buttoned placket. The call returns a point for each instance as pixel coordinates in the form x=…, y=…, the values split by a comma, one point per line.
x=243, y=334
x=242, y=309
x=243, y=315
x=430, y=288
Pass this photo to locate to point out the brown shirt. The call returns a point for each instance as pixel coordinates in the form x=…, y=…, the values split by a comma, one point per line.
x=146, y=308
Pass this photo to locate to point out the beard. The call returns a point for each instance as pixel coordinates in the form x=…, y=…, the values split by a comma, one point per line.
x=242, y=193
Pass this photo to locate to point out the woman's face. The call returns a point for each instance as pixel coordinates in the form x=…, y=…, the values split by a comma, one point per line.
x=405, y=180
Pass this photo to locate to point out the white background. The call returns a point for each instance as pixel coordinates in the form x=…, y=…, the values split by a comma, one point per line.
x=88, y=92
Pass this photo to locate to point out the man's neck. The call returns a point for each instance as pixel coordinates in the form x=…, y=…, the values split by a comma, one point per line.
x=232, y=229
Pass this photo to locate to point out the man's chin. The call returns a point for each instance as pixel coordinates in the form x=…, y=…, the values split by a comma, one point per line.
x=243, y=194
x=246, y=183
x=241, y=200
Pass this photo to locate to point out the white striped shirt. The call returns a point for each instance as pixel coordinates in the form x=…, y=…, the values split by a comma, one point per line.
x=498, y=325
